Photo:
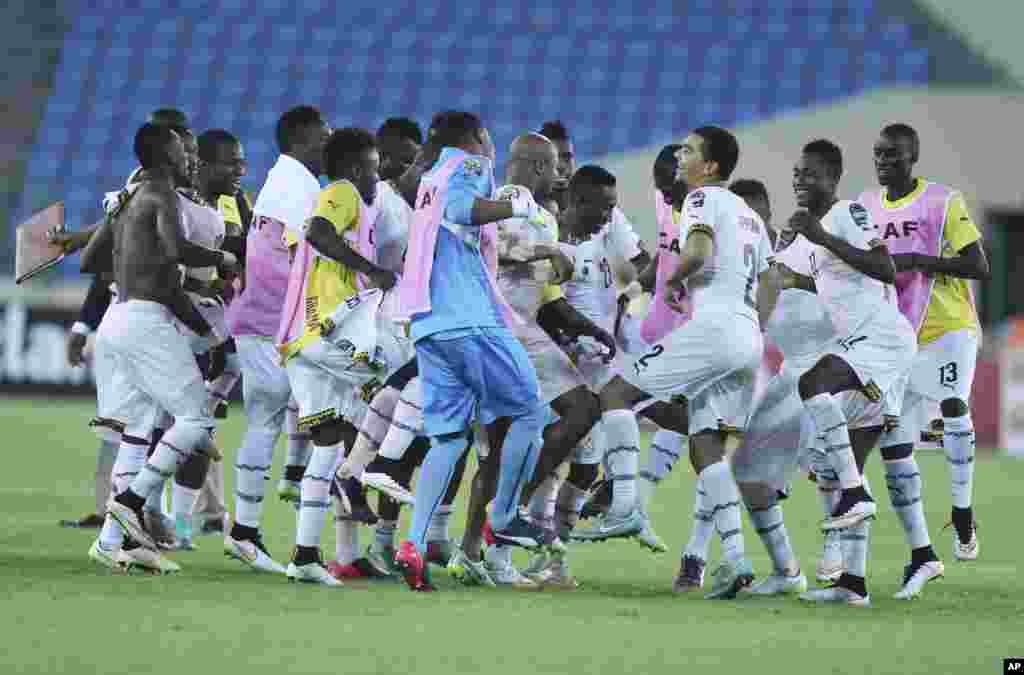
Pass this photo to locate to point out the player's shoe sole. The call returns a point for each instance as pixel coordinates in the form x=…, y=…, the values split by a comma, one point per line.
x=311, y=573
x=249, y=554
x=385, y=484
x=132, y=525
x=836, y=595
x=777, y=585
x=856, y=514
x=141, y=559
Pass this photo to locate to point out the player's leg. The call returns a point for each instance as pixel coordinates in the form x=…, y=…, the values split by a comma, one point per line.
x=298, y=450
x=382, y=551
x=818, y=388
x=265, y=393
x=392, y=460
x=665, y=449
x=188, y=481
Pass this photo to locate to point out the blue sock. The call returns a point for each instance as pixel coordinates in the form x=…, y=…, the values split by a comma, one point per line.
x=519, y=455
x=435, y=475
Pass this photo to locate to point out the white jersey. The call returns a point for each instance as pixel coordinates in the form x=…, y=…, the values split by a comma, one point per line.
x=799, y=326
x=592, y=291
x=202, y=225
x=728, y=280
x=523, y=284
x=391, y=231
x=624, y=239
x=850, y=297
x=289, y=195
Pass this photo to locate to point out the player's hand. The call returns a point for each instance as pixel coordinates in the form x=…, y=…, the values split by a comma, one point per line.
x=803, y=222
x=383, y=279
x=58, y=235
x=529, y=210
x=675, y=296
x=75, y=348
x=606, y=339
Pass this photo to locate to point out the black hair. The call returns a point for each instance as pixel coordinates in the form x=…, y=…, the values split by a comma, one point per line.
x=749, y=188
x=554, y=130
x=904, y=131
x=293, y=123
x=343, y=149
x=452, y=128
x=829, y=153
x=151, y=141
x=169, y=117
x=591, y=175
x=401, y=127
x=212, y=139
x=720, y=146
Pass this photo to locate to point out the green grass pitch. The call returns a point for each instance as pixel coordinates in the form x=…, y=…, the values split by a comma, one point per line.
x=62, y=615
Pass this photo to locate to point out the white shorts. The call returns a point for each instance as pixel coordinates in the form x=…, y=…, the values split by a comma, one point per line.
x=880, y=353
x=214, y=313
x=327, y=381
x=942, y=369
x=148, y=367
x=555, y=373
x=265, y=387
x=712, y=360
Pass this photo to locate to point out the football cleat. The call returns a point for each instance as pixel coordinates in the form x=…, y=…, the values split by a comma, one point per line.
x=915, y=578
x=440, y=552
x=611, y=526
x=777, y=584
x=131, y=521
x=691, y=575
x=558, y=575
x=160, y=526
x=385, y=484
x=537, y=568
x=289, y=490
x=105, y=558
x=968, y=550
x=836, y=594
x=507, y=575
x=649, y=539
x=599, y=502
x=311, y=573
x=359, y=568
x=729, y=578
x=414, y=568
x=850, y=511
x=468, y=572
x=150, y=562
x=253, y=553
x=521, y=532
x=383, y=559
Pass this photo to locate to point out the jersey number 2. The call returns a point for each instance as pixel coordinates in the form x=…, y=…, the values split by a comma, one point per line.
x=749, y=256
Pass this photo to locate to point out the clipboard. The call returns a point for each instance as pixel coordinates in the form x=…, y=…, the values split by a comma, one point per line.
x=34, y=254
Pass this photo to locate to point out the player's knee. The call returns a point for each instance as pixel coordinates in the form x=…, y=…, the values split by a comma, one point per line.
x=189, y=433
x=757, y=496
x=895, y=452
x=614, y=396
x=582, y=475
x=954, y=407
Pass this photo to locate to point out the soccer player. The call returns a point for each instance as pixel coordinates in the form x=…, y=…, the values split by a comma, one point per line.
x=937, y=249
x=399, y=140
x=143, y=242
x=709, y=362
x=530, y=268
x=330, y=335
x=470, y=362
x=619, y=224
x=287, y=199
x=851, y=271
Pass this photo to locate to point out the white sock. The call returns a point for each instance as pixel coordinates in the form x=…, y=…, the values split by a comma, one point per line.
x=438, y=528
x=384, y=534
x=314, y=501
x=724, y=498
x=300, y=443
x=703, y=523
x=903, y=479
x=827, y=483
x=855, y=542
x=542, y=503
x=772, y=530
x=622, y=457
x=253, y=466
x=183, y=500
x=346, y=541
x=161, y=465
x=830, y=423
x=662, y=454
x=568, y=504
x=958, y=442
x=373, y=429
x=406, y=423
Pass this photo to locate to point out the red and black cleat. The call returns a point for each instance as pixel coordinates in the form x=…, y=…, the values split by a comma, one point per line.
x=413, y=566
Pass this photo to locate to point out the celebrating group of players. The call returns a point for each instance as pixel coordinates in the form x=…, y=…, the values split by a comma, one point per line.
x=413, y=309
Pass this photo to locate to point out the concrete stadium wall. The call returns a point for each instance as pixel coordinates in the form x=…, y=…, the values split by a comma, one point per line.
x=990, y=27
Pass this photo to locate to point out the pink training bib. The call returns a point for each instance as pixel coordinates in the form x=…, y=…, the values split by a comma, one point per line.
x=662, y=319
